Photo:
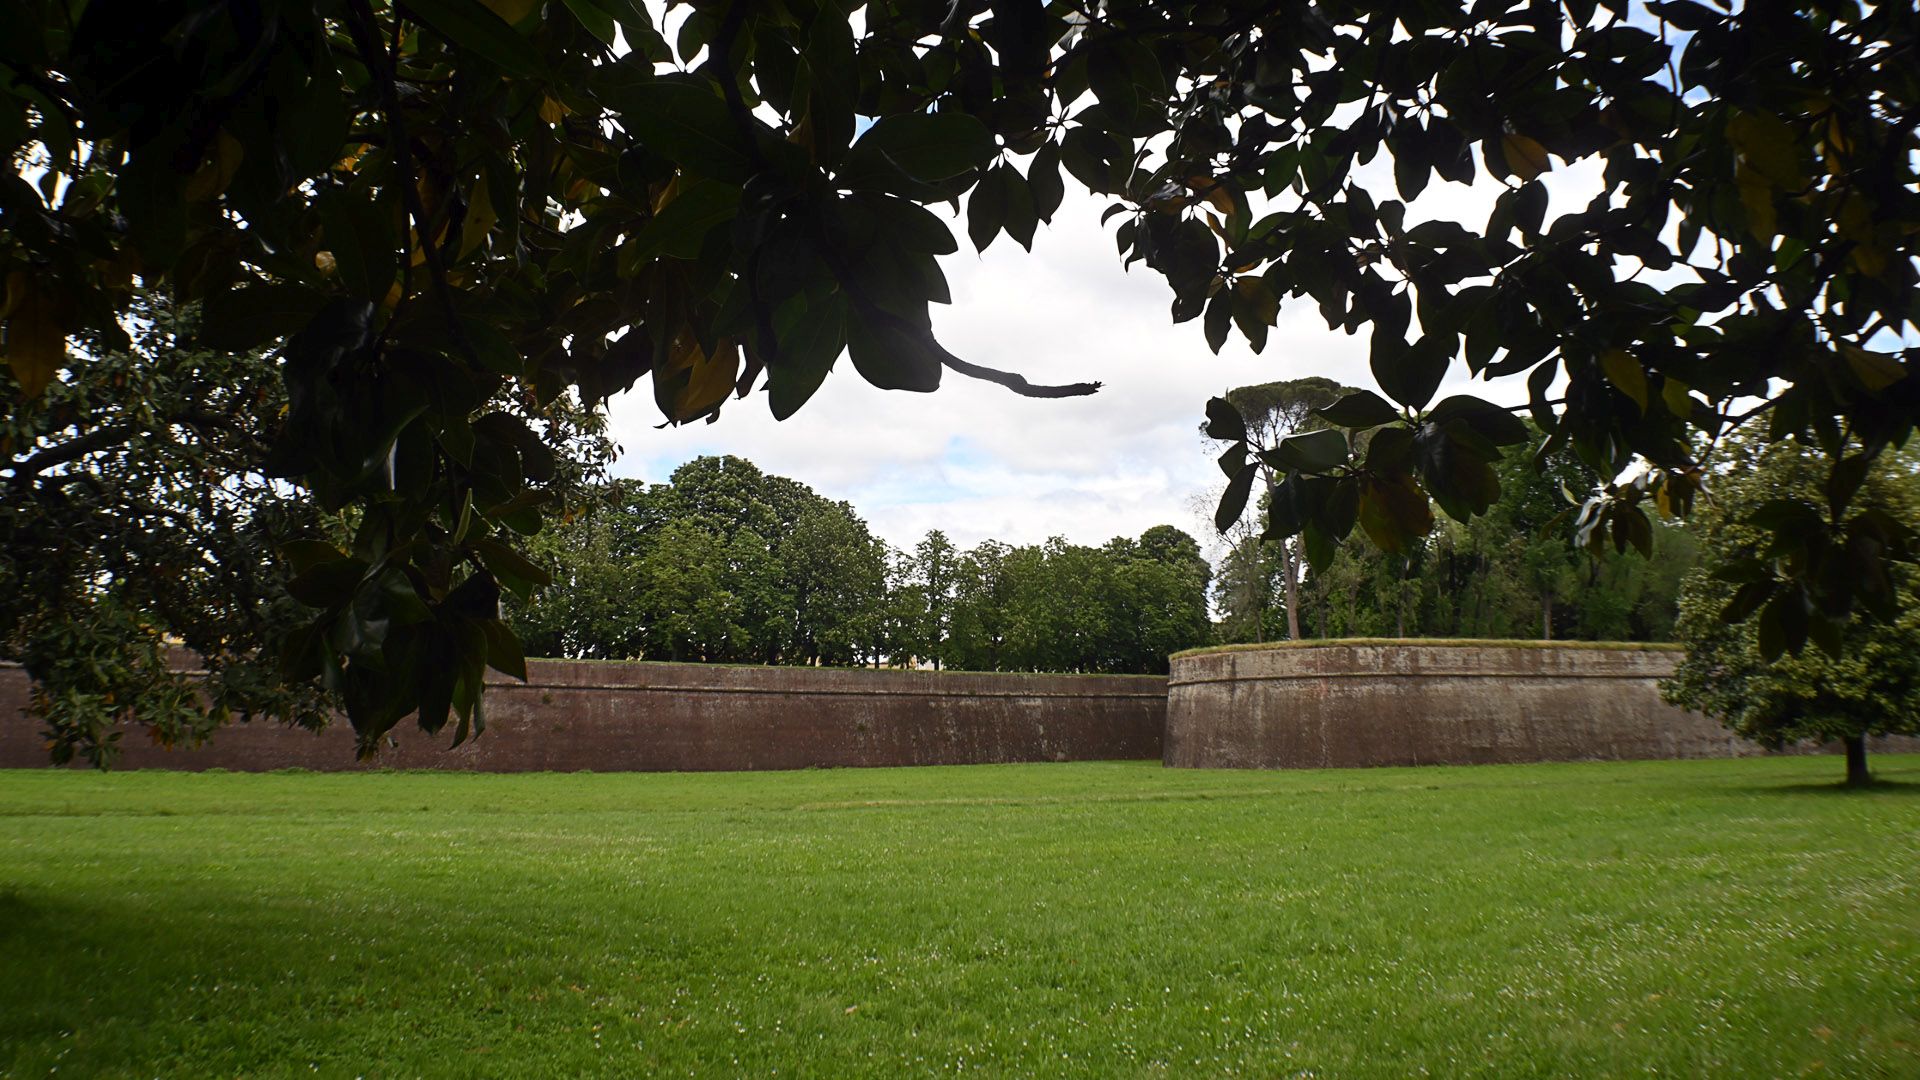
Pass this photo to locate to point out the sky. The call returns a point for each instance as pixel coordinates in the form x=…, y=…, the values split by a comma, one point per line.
x=977, y=461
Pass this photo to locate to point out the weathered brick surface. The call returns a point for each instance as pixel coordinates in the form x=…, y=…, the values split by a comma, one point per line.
x=1326, y=706
x=1433, y=704
x=611, y=717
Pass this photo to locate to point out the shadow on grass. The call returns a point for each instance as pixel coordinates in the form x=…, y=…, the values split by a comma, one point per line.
x=24, y=917
x=1838, y=786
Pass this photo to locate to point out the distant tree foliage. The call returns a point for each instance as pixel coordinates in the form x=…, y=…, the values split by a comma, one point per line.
x=1507, y=573
x=1865, y=681
x=1121, y=607
x=725, y=563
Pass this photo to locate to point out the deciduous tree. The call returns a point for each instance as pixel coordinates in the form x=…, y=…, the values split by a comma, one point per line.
x=1864, y=680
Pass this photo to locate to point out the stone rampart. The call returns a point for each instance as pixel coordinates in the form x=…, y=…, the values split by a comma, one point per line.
x=1339, y=704
x=1352, y=704
x=611, y=717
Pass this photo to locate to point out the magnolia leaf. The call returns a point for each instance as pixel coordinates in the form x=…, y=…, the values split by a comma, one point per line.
x=1360, y=409
x=807, y=352
x=1626, y=375
x=1314, y=451
x=1234, y=501
x=1394, y=512
x=1411, y=374
x=1875, y=370
x=710, y=379
x=928, y=147
x=36, y=343
x=683, y=118
x=1525, y=157
x=470, y=25
x=1224, y=421
x=1769, y=145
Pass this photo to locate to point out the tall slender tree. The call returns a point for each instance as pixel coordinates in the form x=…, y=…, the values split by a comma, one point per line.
x=1273, y=412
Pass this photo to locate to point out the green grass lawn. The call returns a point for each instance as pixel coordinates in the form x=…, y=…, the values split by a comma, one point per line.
x=1733, y=918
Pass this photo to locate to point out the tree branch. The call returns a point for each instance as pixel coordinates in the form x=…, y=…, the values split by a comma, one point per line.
x=365, y=29
x=98, y=439
x=1012, y=381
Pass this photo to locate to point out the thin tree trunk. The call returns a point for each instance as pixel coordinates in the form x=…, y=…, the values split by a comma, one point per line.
x=1857, y=774
x=1259, y=593
x=1400, y=602
x=1290, y=566
x=1546, y=616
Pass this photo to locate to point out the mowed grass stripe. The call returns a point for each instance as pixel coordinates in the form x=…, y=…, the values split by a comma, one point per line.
x=1737, y=918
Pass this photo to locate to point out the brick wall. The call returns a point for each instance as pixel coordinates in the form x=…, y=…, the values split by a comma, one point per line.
x=607, y=716
x=1352, y=704
x=1434, y=703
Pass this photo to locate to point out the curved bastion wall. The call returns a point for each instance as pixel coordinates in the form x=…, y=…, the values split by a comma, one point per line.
x=1363, y=703
x=613, y=716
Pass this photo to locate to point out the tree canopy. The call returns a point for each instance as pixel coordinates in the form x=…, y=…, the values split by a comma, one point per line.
x=430, y=202
x=722, y=563
x=1868, y=684
x=1508, y=573
x=150, y=530
x=727, y=563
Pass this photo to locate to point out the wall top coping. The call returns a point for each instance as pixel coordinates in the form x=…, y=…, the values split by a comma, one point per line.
x=1435, y=643
x=644, y=675
x=1376, y=659
x=750, y=678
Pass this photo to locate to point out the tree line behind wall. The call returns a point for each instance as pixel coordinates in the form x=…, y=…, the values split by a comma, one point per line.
x=1507, y=574
x=729, y=564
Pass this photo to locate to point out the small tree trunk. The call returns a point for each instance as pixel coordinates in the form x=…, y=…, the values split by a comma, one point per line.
x=1857, y=774
x=1546, y=616
x=1400, y=601
x=1260, y=591
x=1290, y=566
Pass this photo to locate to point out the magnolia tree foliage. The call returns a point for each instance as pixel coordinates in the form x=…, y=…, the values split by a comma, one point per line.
x=429, y=201
x=134, y=523
x=1865, y=683
x=140, y=543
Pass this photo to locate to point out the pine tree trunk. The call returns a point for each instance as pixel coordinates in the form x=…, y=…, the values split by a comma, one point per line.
x=1857, y=774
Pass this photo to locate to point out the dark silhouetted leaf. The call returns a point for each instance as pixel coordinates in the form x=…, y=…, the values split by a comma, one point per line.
x=1360, y=409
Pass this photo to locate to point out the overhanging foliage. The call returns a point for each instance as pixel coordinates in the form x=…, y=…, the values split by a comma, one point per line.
x=428, y=200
